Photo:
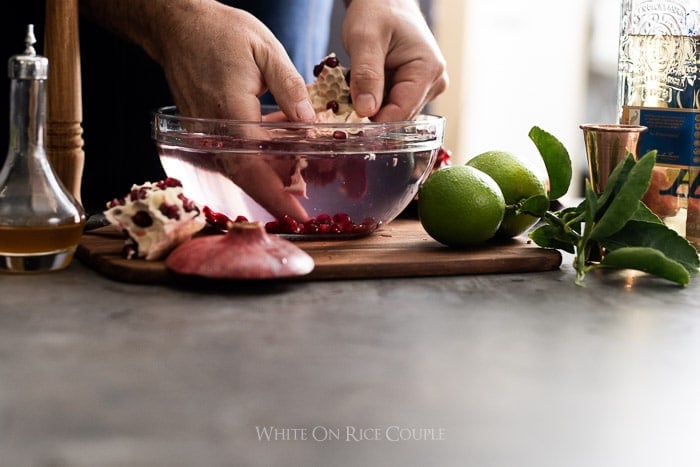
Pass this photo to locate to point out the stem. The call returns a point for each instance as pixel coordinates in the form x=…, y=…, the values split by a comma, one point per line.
x=553, y=219
x=582, y=252
x=575, y=220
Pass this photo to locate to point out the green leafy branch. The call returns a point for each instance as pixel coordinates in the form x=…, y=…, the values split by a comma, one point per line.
x=612, y=229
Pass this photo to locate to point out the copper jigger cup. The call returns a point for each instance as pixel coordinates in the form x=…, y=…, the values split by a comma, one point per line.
x=606, y=146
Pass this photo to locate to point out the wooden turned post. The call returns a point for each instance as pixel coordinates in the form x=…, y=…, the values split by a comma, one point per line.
x=64, y=140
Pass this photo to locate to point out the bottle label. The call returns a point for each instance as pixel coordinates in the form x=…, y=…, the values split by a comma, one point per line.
x=673, y=17
x=674, y=133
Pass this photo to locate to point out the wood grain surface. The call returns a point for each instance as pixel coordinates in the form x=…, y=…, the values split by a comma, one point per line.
x=64, y=140
x=401, y=249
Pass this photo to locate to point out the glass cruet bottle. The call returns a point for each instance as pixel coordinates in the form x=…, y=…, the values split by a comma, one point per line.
x=40, y=221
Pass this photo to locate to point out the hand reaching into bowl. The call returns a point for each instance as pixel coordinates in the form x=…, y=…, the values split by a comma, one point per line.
x=390, y=42
x=218, y=60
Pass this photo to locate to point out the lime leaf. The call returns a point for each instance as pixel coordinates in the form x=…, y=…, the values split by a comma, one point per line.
x=615, y=181
x=556, y=160
x=591, y=204
x=656, y=236
x=534, y=205
x=626, y=201
x=643, y=213
x=647, y=260
x=549, y=236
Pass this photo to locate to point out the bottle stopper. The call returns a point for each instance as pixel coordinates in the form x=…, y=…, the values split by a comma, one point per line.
x=28, y=65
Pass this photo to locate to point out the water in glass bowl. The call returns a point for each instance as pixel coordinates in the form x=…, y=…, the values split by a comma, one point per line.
x=304, y=194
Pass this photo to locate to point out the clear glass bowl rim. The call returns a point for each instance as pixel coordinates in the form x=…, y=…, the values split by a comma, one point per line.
x=170, y=112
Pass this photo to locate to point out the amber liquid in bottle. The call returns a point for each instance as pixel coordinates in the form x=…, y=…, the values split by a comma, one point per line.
x=45, y=238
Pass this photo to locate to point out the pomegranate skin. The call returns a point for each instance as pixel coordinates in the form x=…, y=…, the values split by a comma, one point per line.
x=246, y=251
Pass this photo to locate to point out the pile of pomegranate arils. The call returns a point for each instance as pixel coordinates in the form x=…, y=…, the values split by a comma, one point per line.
x=323, y=224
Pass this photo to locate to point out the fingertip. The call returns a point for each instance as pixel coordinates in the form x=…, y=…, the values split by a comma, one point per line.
x=389, y=113
x=275, y=117
x=304, y=111
x=365, y=104
x=392, y=112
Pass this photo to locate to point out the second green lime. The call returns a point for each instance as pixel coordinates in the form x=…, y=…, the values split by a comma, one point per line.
x=517, y=182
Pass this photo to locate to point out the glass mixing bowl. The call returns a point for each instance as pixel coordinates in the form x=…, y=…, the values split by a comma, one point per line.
x=302, y=180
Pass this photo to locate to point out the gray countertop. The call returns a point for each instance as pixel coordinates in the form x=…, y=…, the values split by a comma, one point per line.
x=493, y=370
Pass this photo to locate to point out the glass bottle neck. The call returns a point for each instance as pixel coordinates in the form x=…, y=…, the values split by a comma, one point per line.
x=27, y=117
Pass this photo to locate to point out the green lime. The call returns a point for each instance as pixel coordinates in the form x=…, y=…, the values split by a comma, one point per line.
x=517, y=182
x=460, y=206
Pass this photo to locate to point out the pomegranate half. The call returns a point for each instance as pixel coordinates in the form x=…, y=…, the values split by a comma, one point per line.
x=246, y=251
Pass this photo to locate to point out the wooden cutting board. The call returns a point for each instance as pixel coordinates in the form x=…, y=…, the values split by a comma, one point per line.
x=400, y=249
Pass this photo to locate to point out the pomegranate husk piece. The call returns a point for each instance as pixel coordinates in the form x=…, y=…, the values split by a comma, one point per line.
x=246, y=251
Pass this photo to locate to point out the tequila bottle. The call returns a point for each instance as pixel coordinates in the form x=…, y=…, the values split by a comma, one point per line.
x=659, y=87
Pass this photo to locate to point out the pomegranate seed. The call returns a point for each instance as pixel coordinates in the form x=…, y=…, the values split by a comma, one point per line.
x=117, y=202
x=324, y=219
x=221, y=220
x=170, y=211
x=187, y=204
x=211, y=143
x=332, y=62
x=273, y=227
x=318, y=69
x=241, y=219
x=217, y=219
x=169, y=182
x=173, y=182
x=311, y=226
x=368, y=221
x=139, y=194
x=142, y=219
x=443, y=158
x=339, y=134
x=289, y=225
x=333, y=105
x=341, y=218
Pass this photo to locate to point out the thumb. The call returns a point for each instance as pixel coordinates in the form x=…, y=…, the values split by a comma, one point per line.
x=366, y=81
